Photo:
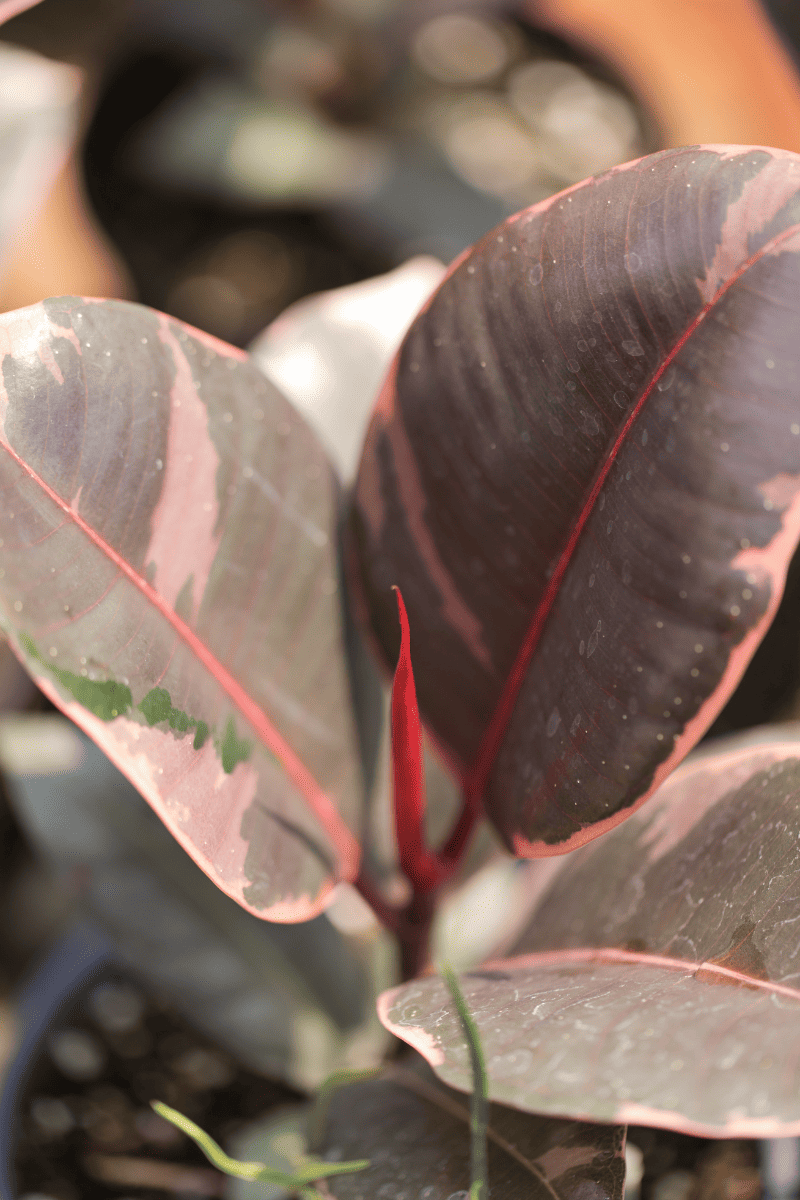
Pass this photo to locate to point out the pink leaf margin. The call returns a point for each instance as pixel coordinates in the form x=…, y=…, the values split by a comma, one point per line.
x=12, y=8
x=626, y=1112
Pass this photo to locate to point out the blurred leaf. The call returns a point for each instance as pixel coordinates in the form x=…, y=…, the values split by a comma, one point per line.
x=329, y=354
x=415, y=1132
x=11, y=8
x=483, y=914
x=38, y=124
x=290, y=1000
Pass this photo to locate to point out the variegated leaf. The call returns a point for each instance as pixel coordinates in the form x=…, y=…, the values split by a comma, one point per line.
x=169, y=574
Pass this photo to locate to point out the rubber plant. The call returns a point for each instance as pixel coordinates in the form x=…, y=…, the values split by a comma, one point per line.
x=575, y=509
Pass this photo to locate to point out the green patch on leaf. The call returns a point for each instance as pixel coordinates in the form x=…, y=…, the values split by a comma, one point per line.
x=156, y=706
x=108, y=699
x=201, y=735
x=157, y=709
x=232, y=749
x=105, y=698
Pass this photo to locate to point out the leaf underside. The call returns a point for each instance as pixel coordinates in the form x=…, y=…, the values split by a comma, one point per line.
x=168, y=573
x=583, y=472
x=657, y=981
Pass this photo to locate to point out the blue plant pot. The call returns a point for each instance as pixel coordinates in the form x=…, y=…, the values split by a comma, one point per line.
x=81, y=955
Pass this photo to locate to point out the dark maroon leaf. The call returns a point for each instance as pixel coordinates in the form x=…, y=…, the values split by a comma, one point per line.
x=169, y=575
x=657, y=981
x=416, y=1135
x=583, y=472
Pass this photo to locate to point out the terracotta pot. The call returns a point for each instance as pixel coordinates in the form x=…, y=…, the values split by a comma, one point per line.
x=707, y=70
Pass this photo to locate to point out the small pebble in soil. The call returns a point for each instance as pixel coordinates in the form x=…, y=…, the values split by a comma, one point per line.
x=674, y=1185
x=204, y=1069
x=52, y=1116
x=117, y=1007
x=77, y=1055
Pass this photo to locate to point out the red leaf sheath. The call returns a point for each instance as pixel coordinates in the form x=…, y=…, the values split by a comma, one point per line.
x=419, y=865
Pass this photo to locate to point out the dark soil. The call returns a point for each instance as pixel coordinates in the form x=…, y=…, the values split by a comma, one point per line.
x=86, y=1130
x=678, y=1167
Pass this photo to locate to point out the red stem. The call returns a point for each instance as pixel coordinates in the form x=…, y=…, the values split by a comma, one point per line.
x=426, y=870
x=387, y=914
x=420, y=866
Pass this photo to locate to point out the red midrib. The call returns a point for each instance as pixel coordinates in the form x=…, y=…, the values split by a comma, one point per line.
x=301, y=777
x=475, y=780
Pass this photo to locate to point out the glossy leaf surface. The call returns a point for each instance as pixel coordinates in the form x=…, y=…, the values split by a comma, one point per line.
x=255, y=987
x=657, y=982
x=583, y=472
x=168, y=573
x=416, y=1135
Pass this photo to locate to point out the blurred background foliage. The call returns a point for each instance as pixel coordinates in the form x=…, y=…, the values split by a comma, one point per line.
x=240, y=156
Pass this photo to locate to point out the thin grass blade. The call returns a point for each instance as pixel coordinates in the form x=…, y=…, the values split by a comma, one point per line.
x=479, y=1103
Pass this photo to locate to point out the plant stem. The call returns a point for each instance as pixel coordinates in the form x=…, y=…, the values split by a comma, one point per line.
x=418, y=864
x=387, y=914
x=414, y=933
x=411, y=923
x=425, y=870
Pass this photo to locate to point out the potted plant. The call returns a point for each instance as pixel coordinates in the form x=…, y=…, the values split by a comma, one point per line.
x=590, y=529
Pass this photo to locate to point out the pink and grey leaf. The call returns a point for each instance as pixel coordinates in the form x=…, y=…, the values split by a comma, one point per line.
x=169, y=576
